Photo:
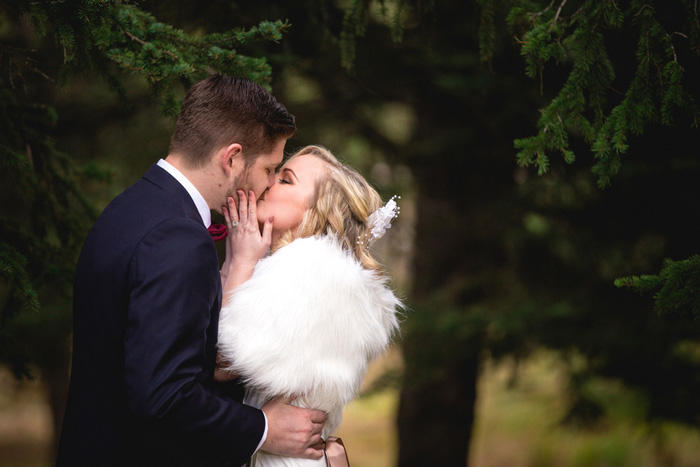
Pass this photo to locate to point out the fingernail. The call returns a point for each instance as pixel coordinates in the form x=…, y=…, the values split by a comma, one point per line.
x=271, y=218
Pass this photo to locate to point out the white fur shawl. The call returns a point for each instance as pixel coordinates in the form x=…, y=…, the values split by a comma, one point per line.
x=307, y=324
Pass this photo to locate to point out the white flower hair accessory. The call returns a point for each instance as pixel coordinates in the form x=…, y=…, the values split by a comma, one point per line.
x=380, y=221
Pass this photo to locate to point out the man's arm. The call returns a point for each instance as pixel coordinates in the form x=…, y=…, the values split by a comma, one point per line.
x=174, y=276
x=173, y=287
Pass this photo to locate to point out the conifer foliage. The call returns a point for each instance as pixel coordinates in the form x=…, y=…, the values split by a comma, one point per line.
x=604, y=108
x=608, y=70
x=676, y=288
x=43, y=44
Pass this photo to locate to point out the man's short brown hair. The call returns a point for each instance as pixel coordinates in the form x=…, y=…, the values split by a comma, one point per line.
x=223, y=110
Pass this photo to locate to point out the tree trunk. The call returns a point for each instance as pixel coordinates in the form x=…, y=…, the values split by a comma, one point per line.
x=442, y=338
x=436, y=418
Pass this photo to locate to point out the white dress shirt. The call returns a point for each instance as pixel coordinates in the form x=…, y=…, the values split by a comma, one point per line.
x=196, y=196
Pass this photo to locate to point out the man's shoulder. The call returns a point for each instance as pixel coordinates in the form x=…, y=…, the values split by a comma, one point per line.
x=143, y=201
x=146, y=193
x=130, y=216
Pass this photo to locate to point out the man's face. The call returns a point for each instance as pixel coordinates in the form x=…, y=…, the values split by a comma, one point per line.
x=261, y=175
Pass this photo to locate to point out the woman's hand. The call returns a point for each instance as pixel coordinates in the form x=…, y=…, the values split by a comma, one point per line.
x=221, y=374
x=245, y=244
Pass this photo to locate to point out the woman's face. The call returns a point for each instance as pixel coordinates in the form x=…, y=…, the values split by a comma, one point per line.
x=288, y=199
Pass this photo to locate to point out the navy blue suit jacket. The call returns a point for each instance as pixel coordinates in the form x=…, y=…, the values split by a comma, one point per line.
x=146, y=303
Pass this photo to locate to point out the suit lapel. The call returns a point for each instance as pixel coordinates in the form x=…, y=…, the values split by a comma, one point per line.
x=162, y=179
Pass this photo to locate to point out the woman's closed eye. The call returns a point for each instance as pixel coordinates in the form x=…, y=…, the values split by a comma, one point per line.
x=282, y=180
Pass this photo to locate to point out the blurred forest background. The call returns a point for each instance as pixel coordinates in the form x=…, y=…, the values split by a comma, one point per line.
x=546, y=155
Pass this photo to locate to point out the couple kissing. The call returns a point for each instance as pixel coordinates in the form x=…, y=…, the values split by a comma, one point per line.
x=177, y=361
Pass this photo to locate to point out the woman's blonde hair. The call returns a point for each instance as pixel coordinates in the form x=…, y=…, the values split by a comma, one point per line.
x=341, y=203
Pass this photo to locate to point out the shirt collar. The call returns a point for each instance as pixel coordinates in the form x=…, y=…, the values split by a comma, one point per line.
x=199, y=201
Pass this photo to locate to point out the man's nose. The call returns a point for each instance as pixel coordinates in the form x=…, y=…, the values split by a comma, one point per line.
x=271, y=179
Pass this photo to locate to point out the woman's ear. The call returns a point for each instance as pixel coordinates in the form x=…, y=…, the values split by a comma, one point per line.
x=232, y=159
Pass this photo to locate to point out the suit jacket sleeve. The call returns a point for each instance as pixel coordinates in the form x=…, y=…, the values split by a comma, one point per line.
x=174, y=287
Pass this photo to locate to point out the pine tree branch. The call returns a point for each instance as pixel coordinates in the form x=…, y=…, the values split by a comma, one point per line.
x=646, y=5
x=144, y=43
x=655, y=89
x=19, y=57
x=542, y=12
x=676, y=287
x=670, y=42
x=556, y=16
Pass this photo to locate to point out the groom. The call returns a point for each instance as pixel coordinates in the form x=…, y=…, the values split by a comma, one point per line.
x=147, y=296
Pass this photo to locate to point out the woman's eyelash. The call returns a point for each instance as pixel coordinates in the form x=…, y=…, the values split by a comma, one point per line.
x=284, y=181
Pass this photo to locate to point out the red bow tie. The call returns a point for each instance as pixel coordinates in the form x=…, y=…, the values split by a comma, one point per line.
x=218, y=231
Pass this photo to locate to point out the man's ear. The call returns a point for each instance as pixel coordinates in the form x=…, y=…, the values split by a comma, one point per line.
x=231, y=158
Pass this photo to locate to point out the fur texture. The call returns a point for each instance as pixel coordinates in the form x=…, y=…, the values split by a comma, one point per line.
x=306, y=325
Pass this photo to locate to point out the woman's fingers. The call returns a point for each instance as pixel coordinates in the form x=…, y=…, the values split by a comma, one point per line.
x=242, y=207
x=227, y=216
x=267, y=232
x=231, y=214
x=252, y=213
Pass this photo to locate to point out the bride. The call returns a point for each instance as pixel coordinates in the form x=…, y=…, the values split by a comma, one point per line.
x=304, y=322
